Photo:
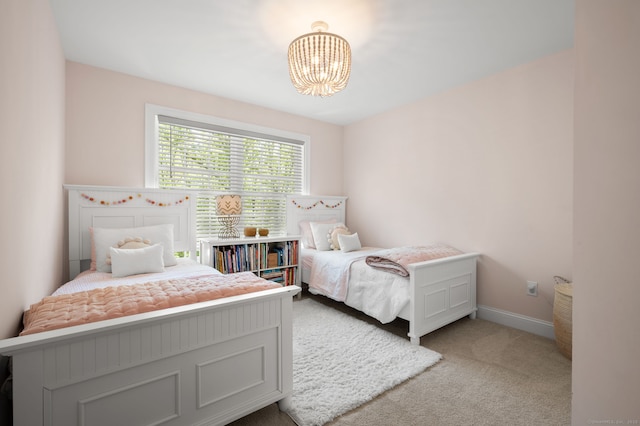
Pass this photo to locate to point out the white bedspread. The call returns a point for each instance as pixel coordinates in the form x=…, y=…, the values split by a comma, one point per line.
x=330, y=272
x=379, y=294
x=346, y=277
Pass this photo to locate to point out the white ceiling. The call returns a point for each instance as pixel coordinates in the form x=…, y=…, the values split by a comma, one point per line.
x=403, y=50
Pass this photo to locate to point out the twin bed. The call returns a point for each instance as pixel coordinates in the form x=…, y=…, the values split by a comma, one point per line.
x=186, y=344
x=165, y=360
x=428, y=293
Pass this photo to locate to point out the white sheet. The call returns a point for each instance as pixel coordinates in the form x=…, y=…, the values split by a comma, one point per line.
x=346, y=277
x=88, y=280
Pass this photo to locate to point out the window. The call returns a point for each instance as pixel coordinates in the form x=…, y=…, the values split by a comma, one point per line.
x=215, y=156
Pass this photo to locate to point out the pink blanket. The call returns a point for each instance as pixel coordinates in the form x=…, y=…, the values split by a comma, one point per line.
x=66, y=310
x=396, y=260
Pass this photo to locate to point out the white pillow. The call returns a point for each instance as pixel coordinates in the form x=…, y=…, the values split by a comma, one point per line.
x=307, y=235
x=104, y=238
x=125, y=262
x=349, y=242
x=332, y=237
x=320, y=230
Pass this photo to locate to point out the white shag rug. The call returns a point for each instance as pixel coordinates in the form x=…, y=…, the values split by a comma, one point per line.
x=340, y=362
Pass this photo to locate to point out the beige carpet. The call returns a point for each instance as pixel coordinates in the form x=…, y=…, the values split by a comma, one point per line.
x=489, y=375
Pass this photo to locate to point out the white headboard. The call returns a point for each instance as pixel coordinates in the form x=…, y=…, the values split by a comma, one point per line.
x=314, y=208
x=118, y=207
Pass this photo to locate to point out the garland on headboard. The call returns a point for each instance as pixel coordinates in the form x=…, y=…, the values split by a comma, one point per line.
x=130, y=198
x=329, y=206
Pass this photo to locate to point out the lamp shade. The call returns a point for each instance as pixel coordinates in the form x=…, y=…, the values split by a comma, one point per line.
x=229, y=204
x=319, y=62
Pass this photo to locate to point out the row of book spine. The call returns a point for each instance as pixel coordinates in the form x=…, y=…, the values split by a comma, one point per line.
x=250, y=257
x=235, y=258
x=287, y=253
x=285, y=276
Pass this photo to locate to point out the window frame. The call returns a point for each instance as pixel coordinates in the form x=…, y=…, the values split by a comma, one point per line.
x=151, y=170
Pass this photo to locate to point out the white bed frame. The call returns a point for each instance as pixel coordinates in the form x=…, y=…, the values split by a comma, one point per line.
x=208, y=363
x=441, y=290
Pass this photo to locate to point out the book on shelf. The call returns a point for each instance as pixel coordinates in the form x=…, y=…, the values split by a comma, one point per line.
x=275, y=275
x=273, y=260
x=234, y=258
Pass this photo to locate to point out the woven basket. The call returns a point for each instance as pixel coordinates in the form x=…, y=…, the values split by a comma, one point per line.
x=562, y=317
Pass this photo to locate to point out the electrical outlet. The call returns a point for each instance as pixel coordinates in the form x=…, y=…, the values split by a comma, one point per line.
x=532, y=288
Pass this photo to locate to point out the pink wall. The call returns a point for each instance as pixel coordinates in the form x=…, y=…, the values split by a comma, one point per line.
x=32, y=152
x=606, y=345
x=485, y=167
x=105, y=127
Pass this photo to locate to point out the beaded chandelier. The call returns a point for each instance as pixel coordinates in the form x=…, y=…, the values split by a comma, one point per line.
x=319, y=62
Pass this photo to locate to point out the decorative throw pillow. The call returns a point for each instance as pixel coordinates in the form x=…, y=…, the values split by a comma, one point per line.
x=332, y=236
x=125, y=262
x=320, y=231
x=104, y=238
x=349, y=242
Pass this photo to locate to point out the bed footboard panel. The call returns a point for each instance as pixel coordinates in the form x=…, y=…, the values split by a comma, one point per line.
x=209, y=366
x=442, y=291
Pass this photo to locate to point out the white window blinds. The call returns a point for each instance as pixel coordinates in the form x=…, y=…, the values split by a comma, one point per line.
x=215, y=159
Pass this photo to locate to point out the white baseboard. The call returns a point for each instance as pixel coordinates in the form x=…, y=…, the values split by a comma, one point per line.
x=521, y=322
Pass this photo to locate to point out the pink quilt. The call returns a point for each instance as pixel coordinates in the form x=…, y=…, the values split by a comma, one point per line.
x=396, y=260
x=66, y=310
